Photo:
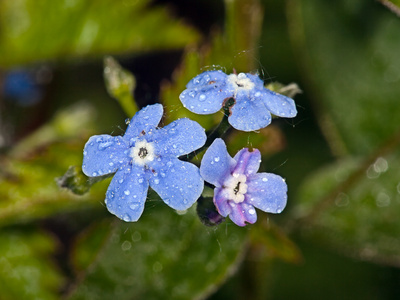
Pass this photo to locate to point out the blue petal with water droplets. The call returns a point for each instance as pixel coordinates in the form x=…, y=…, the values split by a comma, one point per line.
x=216, y=164
x=104, y=154
x=241, y=213
x=206, y=92
x=127, y=193
x=267, y=192
x=145, y=120
x=179, y=138
x=249, y=113
x=279, y=105
x=178, y=183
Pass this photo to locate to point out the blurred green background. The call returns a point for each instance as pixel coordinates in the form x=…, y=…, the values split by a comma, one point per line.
x=339, y=236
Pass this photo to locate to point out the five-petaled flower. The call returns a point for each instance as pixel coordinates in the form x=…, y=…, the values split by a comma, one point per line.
x=207, y=92
x=238, y=186
x=146, y=155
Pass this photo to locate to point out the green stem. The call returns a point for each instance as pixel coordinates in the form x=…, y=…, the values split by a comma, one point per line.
x=218, y=132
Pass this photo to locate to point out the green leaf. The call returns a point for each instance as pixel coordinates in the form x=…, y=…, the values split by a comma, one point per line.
x=28, y=188
x=164, y=255
x=353, y=68
x=353, y=207
x=269, y=241
x=26, y=270
x=48, y=30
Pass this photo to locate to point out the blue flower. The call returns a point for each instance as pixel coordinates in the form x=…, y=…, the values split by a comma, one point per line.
x=239, y=189
x=207, y=92
x=147, y=155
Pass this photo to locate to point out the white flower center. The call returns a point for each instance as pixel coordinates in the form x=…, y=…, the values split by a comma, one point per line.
x=240, y=82
x=235, y=187
x=142, y=153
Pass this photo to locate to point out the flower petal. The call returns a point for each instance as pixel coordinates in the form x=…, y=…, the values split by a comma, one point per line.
x=221, y=202
x=127, y=194
x=242, y=213
x=249, y=115
x=267, y=192
x=279, y=105
x=247, y=162
x=216, y=164
x=178, y=183
x=104, y=154
x=206, y=92
x=144, y=120
x=180, y=137
x=258, y=83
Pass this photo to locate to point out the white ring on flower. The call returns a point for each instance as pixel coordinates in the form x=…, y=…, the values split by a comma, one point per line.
x=142, y=153
x=240, y=82
x=235, y=187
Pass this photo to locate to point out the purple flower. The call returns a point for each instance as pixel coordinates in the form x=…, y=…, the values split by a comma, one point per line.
x=239, y=189
x=147, y=156
x=206, y=93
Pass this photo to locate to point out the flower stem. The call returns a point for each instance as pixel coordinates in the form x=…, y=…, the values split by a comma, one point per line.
x=218, y=132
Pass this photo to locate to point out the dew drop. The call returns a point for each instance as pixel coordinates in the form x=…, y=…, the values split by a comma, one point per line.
x=174, y=146
x=192, y=94
x=126, y=218
x=162, y=174
x=156, y=181
x=140, y=180
x=94, y=174
x=105, y=145
x=127, y=192
x=134, y=206
x=126, y=245
x=216, y=159
x=84, y=152
x=265, y=179
x=121, y=180
x=110, y=164
x=202, y=97
x=127, y=121
x=252, y=211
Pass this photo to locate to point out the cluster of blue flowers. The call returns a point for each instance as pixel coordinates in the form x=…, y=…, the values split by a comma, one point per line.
x=147, y=155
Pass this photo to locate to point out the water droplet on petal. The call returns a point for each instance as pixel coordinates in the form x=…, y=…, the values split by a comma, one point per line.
x=126, y=218
x=127, y=121
x=127, y=192
x=94, y=174
x=216, y=159
x=134, y=206
x=121, y=180
x=192, y=94
x=265, y=179
x=202, y=97
x=162, y=174
x=84, y=152
x=252, y=211
x=156, y=181
x=111, y=164
x=140, y=180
